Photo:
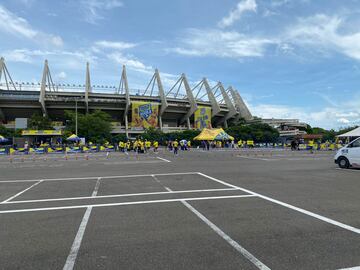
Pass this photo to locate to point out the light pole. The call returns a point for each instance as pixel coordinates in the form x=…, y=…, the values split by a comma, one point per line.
x=76, y=118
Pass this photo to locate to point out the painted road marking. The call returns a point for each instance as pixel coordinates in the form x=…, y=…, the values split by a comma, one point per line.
x=351, y=268
x=21, y=192
x=304, y=158
x=348, y=170
x=298, y=209
x=227, y=238
x=130, y=162
x=254, y=158
x=221, y=233
x=96, y=177
x=125, y=203
x=163, y=159
x=121, y=195
x=157, y=180
x=70, y=261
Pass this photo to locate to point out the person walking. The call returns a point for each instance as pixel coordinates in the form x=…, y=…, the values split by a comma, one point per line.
x=156, y=146
x=176, y=147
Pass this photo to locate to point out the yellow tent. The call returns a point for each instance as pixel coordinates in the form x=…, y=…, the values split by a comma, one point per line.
x=215, y=134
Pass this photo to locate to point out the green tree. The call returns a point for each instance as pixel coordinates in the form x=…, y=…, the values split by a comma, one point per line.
x=153, y=134
x=259, y=132
x=119, y=137
x=182, y=135
x=327, y=135
x=6, y=132
x=94, y=127
x=344, y=130
x=39, y=122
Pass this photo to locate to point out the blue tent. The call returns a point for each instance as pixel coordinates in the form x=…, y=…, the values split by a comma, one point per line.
x=3, y=139
x=73, y=138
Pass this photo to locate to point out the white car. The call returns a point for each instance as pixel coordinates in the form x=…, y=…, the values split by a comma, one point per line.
x=349, y=155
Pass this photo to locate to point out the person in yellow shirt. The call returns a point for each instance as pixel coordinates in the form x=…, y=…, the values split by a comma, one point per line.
x=188, y=146
x=141, y=146
x=128, y=146
x=175, y=145
x=311, y=145
x=250, y=143
x=182, y=145
x=240, y=143
x=147, y=145
x=135, y=145
x=121, y=146
x=156, y=146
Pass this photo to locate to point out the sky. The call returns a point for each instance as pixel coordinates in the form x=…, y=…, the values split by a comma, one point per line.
x=287, y=58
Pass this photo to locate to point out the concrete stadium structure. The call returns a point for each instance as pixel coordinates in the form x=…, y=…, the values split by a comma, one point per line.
x=176, y=110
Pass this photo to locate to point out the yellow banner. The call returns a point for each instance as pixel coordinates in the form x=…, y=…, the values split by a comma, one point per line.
x=144, y=114
x=41, y=133
x=203, y=117
x=57, y=123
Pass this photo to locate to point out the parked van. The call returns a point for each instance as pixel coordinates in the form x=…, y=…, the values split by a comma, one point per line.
x=349, y=155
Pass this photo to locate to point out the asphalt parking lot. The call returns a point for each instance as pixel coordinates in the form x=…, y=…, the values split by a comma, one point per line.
x=222, y=209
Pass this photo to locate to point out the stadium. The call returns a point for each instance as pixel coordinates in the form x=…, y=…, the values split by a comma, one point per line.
x=178, y=108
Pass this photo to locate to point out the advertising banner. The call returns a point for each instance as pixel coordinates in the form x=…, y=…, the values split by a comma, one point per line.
x=203, y=117
x=144, y=114
x=41, y=133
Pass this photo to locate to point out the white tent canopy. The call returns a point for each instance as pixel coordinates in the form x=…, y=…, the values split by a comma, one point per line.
x=353, y=133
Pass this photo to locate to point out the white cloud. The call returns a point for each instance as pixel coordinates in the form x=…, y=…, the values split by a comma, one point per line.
x=93, y=9
x=234, y=15
x=347, y=113
x=61, y=76
x=279, y=3
x=17, y=56
x=129, y=61
x=322, y=32
x=18, y=26
x=343, y=121
x=27, y=3
x=222, y=44
x=113, y=50
x=118, y=45
x=63, y=59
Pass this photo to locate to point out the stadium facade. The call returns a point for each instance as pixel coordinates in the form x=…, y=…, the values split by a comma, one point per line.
x=181, y=107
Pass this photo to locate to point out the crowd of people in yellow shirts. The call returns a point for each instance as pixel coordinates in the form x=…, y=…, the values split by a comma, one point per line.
x=139, y=146
x=144, y=146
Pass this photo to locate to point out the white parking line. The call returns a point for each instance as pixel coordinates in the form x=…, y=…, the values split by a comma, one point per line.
x=163, y=159
x=298, y=209
x=124, y=203
x=227, y=238
x=129, y=162
x=96, y=177
x=222, y=234
x=312, y=158
x=120, y=195
x=70, y=261
x=21, y=192
x=348, y=170
x=351, y=268
x=254, y=158
x=97, y=185
x=157, y=180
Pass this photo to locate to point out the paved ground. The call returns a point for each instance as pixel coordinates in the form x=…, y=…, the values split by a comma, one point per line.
x=199, y=210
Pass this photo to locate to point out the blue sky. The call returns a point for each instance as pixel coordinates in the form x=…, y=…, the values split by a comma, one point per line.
x=288, y=58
